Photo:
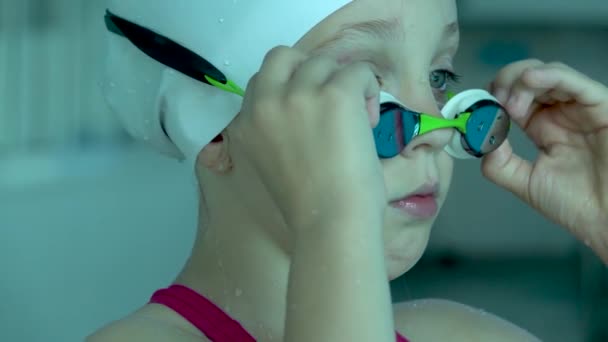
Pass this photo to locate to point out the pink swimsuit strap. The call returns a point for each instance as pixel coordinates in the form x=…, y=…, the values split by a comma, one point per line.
x=212, y=321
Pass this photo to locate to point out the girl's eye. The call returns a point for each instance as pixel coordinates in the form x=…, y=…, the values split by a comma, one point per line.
x=440, y=79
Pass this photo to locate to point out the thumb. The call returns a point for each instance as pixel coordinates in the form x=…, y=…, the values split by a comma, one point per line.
x=373, y=110
x=508, y=170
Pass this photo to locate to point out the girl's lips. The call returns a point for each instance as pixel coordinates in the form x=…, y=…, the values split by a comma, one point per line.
x=421, y=204
x=418, y=206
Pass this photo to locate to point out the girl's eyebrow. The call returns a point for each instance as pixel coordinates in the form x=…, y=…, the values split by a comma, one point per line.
x=385, y=30
x=378, y=29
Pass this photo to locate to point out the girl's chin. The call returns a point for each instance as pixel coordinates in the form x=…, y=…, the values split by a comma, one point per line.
x=401, y=260
x=398, y=268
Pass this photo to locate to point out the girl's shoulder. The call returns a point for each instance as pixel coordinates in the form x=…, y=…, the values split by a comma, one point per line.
x=444, y=320
x=151, y=323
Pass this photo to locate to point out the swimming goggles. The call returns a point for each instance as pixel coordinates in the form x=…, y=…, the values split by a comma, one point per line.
x=482, y=123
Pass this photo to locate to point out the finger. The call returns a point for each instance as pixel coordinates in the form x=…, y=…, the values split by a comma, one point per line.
x=550, y=84
x=527, y=94
x=526, y=91
x=356, y=78
x=564, y=80
x=314, y=72
x=520, y=103
x=277, y=68
x=269, y=82
x=359, y=79
x=507, y=76
x=508, y=170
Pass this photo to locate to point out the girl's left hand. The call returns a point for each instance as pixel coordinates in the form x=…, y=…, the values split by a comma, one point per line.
x=565, y=114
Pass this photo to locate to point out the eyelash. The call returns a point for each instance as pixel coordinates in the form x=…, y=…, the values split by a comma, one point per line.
x=451, y=78
x=450, y=75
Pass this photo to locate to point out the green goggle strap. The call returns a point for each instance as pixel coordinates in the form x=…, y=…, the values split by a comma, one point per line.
x=230, y=86
x=430, y=123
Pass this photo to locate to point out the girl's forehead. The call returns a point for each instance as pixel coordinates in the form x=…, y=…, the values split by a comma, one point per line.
x=383, y=18
x=419, y=11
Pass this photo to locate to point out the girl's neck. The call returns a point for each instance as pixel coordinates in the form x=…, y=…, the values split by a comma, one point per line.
x=244, y=270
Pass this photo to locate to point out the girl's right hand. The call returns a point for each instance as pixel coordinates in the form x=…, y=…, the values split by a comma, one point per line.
x=306, y=127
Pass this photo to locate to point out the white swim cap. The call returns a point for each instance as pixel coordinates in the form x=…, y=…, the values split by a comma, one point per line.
x=234, y=35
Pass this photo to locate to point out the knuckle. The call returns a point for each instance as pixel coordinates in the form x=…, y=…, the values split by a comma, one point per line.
x=502, y=74
x=530, y=64
x=275, y=53
x=280, y=54
x=527, y=72
x=534, y=62
x=505, y=74
x=557, y=65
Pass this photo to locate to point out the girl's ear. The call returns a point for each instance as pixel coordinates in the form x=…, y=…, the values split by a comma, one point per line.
x=215, y=156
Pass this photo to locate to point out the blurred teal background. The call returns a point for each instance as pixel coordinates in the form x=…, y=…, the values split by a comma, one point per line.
x=91, y=223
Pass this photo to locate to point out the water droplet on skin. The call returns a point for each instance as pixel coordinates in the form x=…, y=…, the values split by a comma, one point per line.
x=238, y=292
x=492, y=140
x=112, y=85
x=221, y=20
x=227, y=309
x=226, y=62
x=146, y=138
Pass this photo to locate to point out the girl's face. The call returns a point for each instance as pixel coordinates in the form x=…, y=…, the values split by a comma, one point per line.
x=410, y=44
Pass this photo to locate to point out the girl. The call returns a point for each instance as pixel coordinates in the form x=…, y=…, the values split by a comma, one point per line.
x=301, y=224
